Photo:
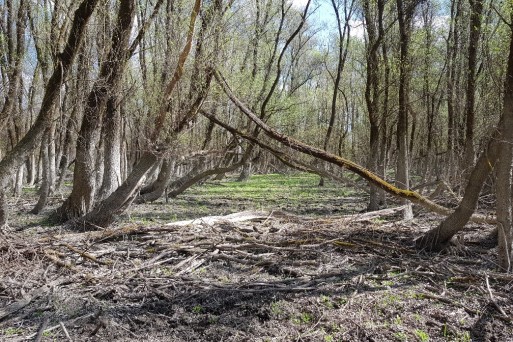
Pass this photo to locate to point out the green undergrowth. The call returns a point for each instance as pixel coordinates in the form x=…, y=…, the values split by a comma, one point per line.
x=297, y=193
x=273, y=187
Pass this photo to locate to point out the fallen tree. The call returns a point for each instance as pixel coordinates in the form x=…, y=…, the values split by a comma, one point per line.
x=371, y=177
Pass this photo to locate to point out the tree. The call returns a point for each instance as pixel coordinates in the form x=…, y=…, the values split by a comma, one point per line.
x=476, y=8
x=404, y=18
x=82, y=198
x=373, y=91
x=18, y=154
x=496, y=154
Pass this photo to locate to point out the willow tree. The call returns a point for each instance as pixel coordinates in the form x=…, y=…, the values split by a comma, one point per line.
x=61, y=68
x=82, y=198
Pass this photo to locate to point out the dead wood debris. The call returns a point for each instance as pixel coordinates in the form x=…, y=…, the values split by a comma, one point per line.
x=246, y=253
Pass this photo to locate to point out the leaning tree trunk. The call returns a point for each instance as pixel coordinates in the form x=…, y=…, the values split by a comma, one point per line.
x=439, y=237
x=504, y=172
x=46, y=181
x=82, y=197
x=17, y=156
x=159, y=186
x=107, y=210
x=436, y=239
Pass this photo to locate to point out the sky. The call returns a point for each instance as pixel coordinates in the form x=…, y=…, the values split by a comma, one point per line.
x=325, y=17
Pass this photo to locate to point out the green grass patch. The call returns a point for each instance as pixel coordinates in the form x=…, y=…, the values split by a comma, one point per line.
x=297, y=193
x=275, y=187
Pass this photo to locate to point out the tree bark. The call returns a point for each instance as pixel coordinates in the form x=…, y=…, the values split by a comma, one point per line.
x=3, y=210
x=504, y=172
x=373, y=92
x=45, y=188
x=476, y=7
x=112, y=150
x=16, y=57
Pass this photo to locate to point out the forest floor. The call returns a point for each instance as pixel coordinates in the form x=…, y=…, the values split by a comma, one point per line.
x=295, y=263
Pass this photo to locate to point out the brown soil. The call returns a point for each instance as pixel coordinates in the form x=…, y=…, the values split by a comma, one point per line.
x=282, y=278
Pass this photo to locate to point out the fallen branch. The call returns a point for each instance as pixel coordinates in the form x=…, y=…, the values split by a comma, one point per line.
x=232, y=218
x=87, y=255
x=26, y=300
x=492, y=299
x=299, y=146
x=372, y=214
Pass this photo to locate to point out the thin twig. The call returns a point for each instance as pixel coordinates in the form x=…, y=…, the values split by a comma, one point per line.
x=492, y=299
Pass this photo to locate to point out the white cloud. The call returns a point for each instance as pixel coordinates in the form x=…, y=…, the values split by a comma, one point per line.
x=299, y=4
x=357, y=29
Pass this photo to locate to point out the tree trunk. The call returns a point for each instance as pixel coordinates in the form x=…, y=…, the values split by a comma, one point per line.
x=82, y=198
x=18, y=185
x=112, y=150
x=499, y=146
x=158, y=188
x=44, y=188
x=453, y=43
x=373, y=93
x=402, y=169
x=504, y=172
x=17, y=156
x=476, y=7
x=190, y=179
x=503, y=191
x=299, y=146
x=106, y=211
x=16, y=59
x=245, y=172
x=30, y=165
x=3, y=210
